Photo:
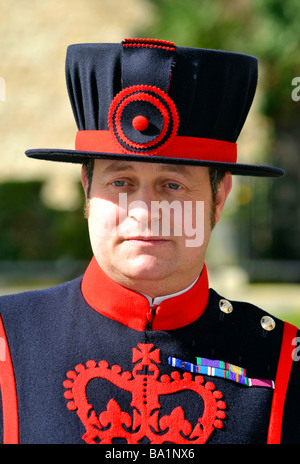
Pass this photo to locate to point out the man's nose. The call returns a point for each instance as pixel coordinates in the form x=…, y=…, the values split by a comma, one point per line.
x=139, y=208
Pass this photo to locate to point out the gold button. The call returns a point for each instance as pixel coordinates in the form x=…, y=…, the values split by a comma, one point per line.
x=267, y=323
x=225, y=306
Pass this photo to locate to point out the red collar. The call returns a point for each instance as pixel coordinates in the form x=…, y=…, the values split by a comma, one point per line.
x=132, y=309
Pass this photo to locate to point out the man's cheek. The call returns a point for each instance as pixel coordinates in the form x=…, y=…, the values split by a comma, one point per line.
x=103, y=218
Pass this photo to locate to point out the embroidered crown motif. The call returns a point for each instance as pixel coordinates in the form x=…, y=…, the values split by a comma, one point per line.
x=146, y=389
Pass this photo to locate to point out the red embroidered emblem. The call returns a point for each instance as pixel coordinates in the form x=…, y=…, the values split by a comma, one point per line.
x=146, y=389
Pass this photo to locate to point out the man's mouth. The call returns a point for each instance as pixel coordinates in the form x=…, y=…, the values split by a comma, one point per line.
x=147, y=241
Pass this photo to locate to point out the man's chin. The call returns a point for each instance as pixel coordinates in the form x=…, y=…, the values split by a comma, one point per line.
x=147, y=268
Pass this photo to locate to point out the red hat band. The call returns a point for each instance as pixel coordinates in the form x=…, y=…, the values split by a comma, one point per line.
x=193, y=148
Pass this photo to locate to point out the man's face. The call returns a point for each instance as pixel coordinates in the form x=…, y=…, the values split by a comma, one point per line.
x=137, y=238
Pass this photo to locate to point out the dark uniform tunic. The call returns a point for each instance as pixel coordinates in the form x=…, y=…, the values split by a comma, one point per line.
x=89, y=362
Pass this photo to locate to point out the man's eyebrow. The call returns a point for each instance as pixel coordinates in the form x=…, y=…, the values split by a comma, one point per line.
x=116, y=166
x=182, y=169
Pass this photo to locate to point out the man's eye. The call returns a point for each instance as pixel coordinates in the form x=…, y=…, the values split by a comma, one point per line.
x=119, y=183
x=173, y=185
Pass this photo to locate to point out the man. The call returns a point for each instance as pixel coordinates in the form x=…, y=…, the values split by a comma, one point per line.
x=139, y=350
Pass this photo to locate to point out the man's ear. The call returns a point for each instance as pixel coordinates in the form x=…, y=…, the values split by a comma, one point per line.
x=222, y=194
x=84, y=180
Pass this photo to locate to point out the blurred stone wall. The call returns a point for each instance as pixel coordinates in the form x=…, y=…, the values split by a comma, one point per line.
x=36, y=113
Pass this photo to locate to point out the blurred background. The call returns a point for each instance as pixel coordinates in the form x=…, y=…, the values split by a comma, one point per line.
x=254, y=253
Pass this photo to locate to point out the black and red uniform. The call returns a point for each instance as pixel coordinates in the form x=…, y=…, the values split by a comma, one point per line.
x=88, y=362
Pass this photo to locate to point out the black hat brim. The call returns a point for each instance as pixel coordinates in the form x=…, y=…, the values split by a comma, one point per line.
x=80, y=157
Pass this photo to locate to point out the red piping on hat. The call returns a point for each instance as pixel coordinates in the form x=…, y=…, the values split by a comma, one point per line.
x=179, y=147
x=8, y=393
x=281, y=384
x=151, y=43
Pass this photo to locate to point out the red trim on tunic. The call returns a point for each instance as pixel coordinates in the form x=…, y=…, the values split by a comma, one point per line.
x=179, y=147
x=8, y=393
x=131, y=308
x=281, y=383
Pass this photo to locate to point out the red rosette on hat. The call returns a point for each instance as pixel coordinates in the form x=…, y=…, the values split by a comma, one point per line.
x=142, y=119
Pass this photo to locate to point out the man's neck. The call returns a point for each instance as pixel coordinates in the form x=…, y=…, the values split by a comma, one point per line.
x=155, y=288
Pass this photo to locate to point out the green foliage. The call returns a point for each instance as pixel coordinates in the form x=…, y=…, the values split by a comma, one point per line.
x=31, y=231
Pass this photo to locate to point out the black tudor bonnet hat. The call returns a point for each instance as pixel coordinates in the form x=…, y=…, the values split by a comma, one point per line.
x=148, y=100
